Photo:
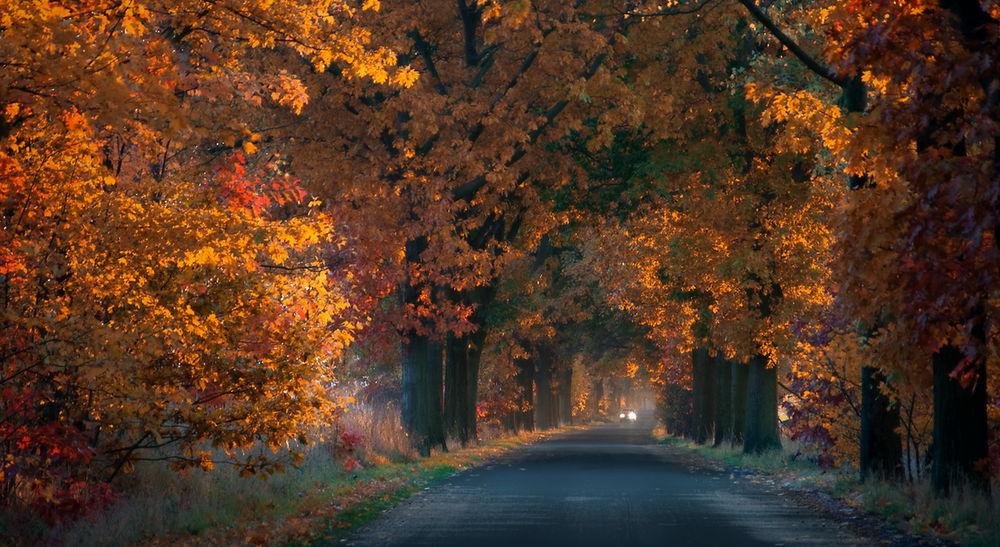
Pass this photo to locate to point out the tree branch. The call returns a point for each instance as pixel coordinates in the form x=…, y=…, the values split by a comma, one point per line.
x=808, y=60
x=670, y=11
x=424, y=49
x=308, y=267
x=467, y=190
x=470, y=20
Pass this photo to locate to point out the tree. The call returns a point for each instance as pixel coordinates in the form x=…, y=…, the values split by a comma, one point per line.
x=450, y=168
x=162, y=285
x=739, y=222
x=917, y=245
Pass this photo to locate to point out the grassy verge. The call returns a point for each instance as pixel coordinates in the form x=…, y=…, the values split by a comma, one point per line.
x=320, y=501
x=965, y=517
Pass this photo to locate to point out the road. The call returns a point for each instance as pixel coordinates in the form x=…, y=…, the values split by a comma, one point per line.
x=607, y=485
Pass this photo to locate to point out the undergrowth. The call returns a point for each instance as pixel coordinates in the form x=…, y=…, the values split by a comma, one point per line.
x=332, y=491
x=966, y=517
x=321, y=500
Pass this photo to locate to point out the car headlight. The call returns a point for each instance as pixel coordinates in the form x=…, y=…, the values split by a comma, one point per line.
x=622, y=415
x=631, y=416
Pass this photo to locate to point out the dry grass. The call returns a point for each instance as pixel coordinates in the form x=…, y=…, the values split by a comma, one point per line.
x=967, y=517
x=320, y=498
x=382, y=430
x=158, y=502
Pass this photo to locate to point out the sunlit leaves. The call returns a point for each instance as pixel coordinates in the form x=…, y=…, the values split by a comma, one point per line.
x=159, y=289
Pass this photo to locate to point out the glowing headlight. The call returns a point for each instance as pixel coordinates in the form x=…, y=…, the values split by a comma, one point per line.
x=622, y=415
x=631, y=416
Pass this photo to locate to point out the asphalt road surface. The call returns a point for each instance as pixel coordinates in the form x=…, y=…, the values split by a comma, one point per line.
x=607, y=485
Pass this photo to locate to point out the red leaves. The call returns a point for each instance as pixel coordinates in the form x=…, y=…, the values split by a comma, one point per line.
x=71, y=500
x=48, y=455
x=260, y=190
x=344, y=447
x=809, y=414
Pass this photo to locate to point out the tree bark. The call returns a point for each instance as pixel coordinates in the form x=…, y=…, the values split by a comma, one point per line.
x=673, y=404
x=421, y=406
x=461, y=389
x=456, y=392
x=723, y=400
x=960, y=428
x=704, y=391
x=566, y=395
x=761, y=429
x=422, y=414
x=598, y=395
x=738, y=392
x=544, y=399
x=881, y=445
x=477, y=340
x=524, y=416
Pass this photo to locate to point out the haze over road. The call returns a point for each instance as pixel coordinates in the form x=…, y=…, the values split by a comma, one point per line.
x=607, y=485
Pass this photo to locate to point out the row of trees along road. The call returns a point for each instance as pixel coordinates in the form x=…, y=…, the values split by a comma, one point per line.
x=209, y=206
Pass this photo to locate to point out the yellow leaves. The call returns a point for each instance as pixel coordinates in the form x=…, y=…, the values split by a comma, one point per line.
x=167, y=306
x=289, y=91
x=516, y=12
x=807, y=114
x=135, y=19
x=206, y=256
x=404, y=76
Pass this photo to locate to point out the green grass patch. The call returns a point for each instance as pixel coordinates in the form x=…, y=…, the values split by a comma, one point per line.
x=966, y=517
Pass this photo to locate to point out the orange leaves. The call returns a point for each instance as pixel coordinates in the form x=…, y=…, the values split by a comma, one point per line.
x=909, y=244
x=807, y=114
x=259, y=192
x=163, y=301
x=13, y=188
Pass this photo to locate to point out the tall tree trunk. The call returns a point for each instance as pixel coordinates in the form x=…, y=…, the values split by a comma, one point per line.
x=456, y=390
x=508, y=422
x=673, y=405
x=960, y=425
x=461, y=389
x=881, y=445
x=723, y=400
x=566, y=395
x=740, y=371
x=761, y=431
x=525, y=413
x=544, y=403
x=422, y=414
x=470, y=433
x=702, y=369
x=598, y=395
x=960, y=428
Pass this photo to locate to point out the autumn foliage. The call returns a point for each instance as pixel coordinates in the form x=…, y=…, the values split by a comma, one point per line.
x=162, y=285
x=214, y=212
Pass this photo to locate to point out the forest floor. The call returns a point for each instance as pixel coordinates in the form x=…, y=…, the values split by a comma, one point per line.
x=900, y=514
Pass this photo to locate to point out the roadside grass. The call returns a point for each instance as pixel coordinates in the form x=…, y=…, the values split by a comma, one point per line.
x=965, y=517
x=319, y=501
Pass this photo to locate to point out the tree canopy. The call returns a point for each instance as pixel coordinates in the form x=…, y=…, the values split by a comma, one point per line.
x=212, y=210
